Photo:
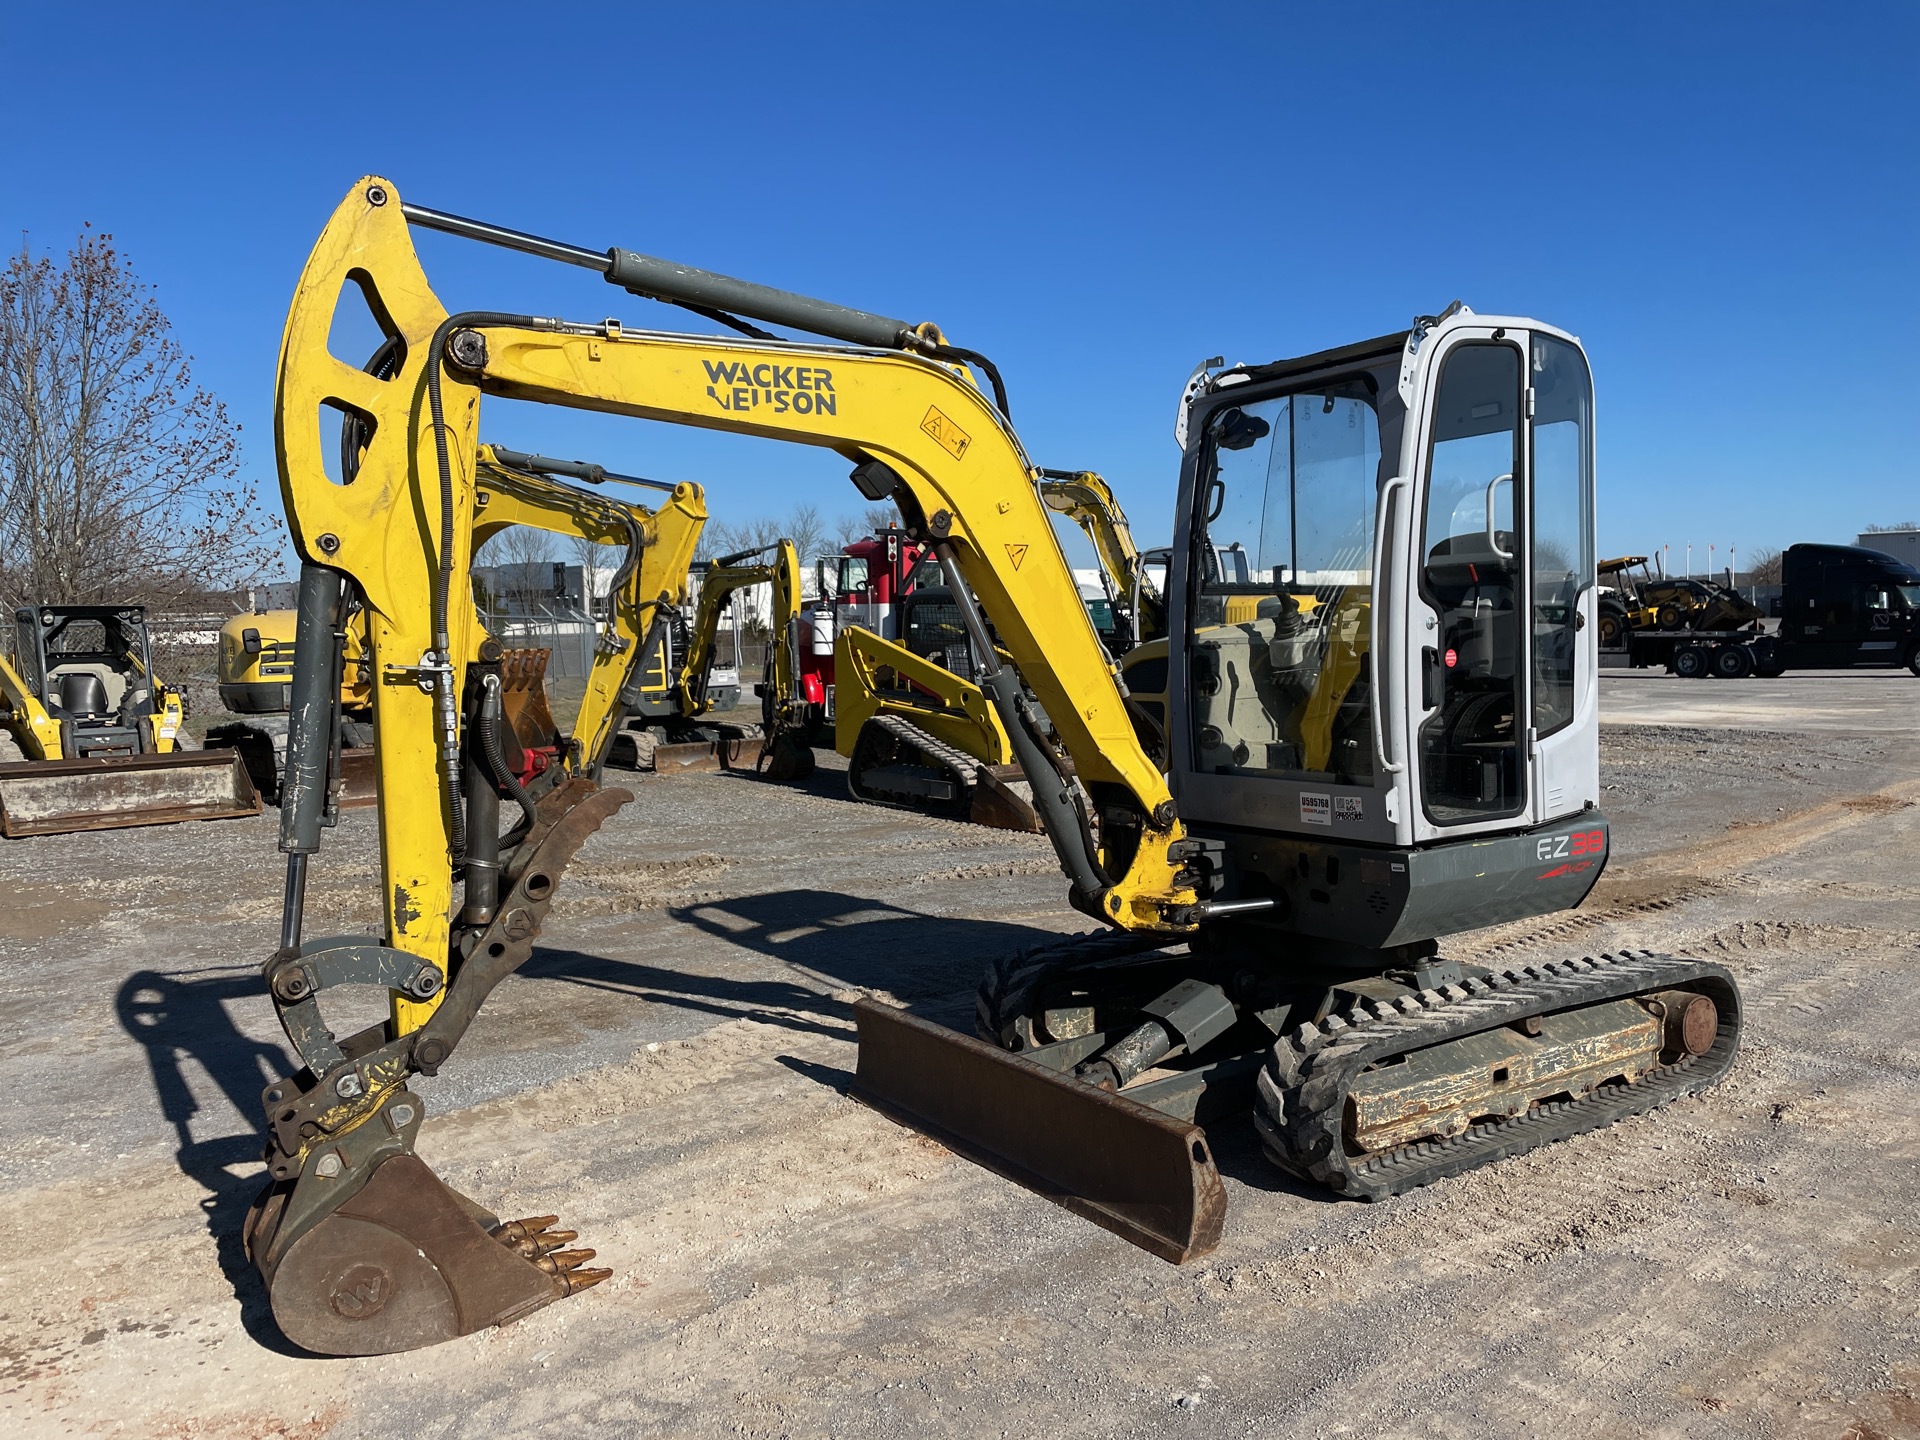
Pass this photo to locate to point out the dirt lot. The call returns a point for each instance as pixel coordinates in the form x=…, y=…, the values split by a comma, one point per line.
x=669, y=1071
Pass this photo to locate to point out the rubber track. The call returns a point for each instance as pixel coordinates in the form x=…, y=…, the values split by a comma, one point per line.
x=1006, y=993
x=956, y=762
x=1304, y=1085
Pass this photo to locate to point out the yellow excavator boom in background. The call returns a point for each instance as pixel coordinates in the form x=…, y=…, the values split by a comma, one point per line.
x=784, y=753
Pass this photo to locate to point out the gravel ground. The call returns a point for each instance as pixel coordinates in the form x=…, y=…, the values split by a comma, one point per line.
x=669, y=1073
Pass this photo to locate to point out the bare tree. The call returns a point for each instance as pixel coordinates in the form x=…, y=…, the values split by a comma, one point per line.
x=1765, y=567
x=119, y=477
x=871, y=521
x=807, y=531
x=525, y=555
x=1883, y=529
x=729, y=537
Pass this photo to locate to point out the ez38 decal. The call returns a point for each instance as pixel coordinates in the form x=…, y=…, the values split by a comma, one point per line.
x=1580, y=849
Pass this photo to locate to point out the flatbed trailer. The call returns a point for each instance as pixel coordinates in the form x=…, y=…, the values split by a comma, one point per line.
x=1841, y=607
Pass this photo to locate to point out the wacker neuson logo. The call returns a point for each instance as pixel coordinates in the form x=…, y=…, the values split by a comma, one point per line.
x=803, y=389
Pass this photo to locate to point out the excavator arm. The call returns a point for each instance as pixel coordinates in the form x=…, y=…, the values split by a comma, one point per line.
x=724, y=578
x=1086, y=499
x=515, y=489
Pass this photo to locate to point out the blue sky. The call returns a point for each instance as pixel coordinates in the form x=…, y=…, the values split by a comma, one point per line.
x=1720, y=200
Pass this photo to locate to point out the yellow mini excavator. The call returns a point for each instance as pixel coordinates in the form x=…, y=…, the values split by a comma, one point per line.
x=1347, y=782
x=254, y=673
x=95, y=733
x=917, y=732
x=784, y=753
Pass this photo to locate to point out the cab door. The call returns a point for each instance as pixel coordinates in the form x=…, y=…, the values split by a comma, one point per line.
x=1564, y=708
x=1500, y=667
x=1467, y=682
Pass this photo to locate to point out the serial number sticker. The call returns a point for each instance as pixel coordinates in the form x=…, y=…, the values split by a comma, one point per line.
x=1349, y=807
x=950, y=436
x=1570, y=846
x=1316, y=809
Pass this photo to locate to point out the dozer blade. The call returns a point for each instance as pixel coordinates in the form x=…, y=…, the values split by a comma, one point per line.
x=696, y=755
x=1145, y=1176
x=406, y=1262
x=54, y=797
x=360, y=776
x=998, y=805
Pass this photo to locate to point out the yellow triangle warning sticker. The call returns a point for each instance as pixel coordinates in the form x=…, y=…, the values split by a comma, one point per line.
x=1016, y=553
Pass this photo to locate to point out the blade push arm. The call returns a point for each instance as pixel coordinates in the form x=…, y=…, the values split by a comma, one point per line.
x=923, y=434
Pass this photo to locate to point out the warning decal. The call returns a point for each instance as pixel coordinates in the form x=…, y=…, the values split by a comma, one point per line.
x=952, y=438
x=1016, y=553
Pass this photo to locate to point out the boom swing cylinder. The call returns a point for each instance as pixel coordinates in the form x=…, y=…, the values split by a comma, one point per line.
x=1378, y=722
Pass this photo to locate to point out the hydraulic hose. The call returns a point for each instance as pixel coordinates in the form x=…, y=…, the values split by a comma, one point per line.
x=497, y=762
x=440, y=659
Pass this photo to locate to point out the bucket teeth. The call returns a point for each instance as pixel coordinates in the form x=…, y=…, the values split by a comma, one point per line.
x=508, y=1232
x=534, y=1246
x=578, y=1280
x=561, y=1261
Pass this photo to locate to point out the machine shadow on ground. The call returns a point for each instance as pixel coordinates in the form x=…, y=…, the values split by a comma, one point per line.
x=179, y=1021
x=844, y=941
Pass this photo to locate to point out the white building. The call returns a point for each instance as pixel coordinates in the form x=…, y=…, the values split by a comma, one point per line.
x=1903, y=545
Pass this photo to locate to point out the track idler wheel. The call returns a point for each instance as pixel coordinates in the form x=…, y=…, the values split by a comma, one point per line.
x=405, y=1262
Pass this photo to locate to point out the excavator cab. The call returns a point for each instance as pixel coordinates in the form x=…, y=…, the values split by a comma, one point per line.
x=1400, y=667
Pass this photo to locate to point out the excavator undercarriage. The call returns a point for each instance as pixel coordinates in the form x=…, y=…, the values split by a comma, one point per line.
x=1376, y=728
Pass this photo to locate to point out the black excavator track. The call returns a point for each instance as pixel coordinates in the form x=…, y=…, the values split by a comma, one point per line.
x=895, y=762
x=1009, y=995
x=1305, y=1086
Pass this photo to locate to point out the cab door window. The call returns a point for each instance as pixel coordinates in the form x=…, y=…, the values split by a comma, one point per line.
x=1562, y=533
x=1473, y=745
x=1281, y=672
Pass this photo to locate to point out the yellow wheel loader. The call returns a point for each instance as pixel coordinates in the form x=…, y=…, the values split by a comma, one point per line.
x=95, y=733
x=1272, y=907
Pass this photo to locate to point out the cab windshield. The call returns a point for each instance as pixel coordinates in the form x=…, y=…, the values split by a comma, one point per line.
x=1282, y=603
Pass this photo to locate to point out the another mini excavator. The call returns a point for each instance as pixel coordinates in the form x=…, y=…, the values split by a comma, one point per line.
x=1382, y=730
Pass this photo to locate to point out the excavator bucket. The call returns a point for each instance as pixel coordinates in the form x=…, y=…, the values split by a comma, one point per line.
x=1146, y=1176
x=408, y=1261
x=54, y=797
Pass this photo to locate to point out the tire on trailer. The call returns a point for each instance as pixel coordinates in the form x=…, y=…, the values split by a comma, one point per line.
x=1690, y=662
x=1733, y=662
